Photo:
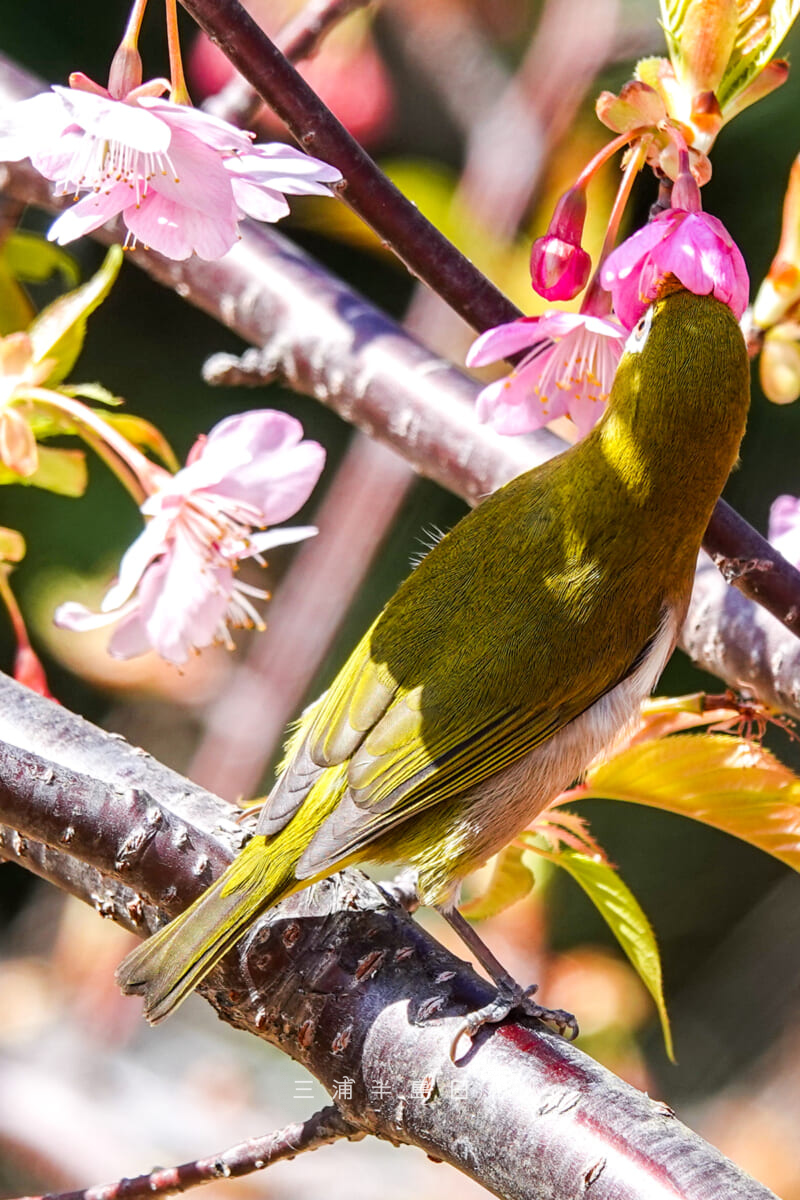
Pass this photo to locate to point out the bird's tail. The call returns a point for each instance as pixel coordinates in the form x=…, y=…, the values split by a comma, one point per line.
x=171, y=963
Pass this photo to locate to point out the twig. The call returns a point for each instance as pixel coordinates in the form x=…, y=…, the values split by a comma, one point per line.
x=299, y=39
x=350, y=986
x=324, y=1127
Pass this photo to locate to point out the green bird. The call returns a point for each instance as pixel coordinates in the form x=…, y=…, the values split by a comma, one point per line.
x=517, y=650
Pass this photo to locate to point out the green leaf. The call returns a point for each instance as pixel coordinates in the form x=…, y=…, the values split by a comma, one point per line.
x=721, y=780
x=12, y=545
x=60, y=471
x=58, y=331
x=31, y=258
x=617, y=904
x=142, y=433
x=16, y=310
x=511, y=880
x=92, y=391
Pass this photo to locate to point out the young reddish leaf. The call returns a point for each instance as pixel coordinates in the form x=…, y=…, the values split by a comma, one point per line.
x=511, y=880
x=619, y=907
x=725, y=781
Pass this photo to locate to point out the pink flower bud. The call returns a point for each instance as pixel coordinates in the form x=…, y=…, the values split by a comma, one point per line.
x=559, y=265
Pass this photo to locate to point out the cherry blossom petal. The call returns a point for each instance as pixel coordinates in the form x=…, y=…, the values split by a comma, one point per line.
x=280, y=471
x=502, y=341
x=151, y=542
x=30, y=124
x=261, y=543
x=113, y=121
x=212, y=131
x=89, y=214
x=259, y=202
x=199, y=179
x=177, y=231
x=277, y=160
x=129, y=639
x=80, y=619
x=182, y=601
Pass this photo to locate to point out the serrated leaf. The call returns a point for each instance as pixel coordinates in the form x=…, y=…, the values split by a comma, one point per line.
x=721, y=780
x=12, y=545
x=60, y=471
x=30, y=257
x=511, y=880
x=142, y=433
x=58, y=331
x=619, y=907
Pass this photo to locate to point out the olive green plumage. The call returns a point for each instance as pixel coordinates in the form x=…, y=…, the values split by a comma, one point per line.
x=514, y=653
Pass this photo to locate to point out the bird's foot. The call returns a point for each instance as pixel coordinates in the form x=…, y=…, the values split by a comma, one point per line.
x=511, y=996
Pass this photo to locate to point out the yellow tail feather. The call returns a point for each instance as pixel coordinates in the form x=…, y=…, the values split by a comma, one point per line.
x=171, y=963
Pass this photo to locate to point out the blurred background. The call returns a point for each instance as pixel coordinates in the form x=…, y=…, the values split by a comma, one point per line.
x=482, y=111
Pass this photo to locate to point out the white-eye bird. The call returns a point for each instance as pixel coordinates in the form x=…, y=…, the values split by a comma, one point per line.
x=518, y=649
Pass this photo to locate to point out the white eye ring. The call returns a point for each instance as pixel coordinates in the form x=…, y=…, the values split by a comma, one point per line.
x=638, y=335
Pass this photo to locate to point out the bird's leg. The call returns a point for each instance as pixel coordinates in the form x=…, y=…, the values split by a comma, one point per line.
x=510, y=994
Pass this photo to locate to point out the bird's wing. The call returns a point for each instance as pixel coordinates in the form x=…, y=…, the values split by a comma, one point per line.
x=409, y=761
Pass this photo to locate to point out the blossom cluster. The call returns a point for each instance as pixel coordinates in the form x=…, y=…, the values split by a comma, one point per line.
x=569, y=359
x=177, y=589
x=180, y=179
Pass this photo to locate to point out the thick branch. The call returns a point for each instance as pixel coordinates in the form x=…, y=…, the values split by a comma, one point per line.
x=344, y=981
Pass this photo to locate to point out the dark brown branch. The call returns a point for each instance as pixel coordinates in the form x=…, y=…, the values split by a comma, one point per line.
x=255, y=1154
x=299, y=39
x=346, y=983
x=399, y=223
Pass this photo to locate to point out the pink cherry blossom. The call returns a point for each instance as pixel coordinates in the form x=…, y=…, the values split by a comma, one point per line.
x=568, y=371
x=784, y=527
x=181, y=179
x=694, y=246
x=176, y=590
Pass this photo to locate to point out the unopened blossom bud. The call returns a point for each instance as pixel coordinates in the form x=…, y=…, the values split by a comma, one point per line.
x=559, y=265
x=125, y=72
x=779, y=365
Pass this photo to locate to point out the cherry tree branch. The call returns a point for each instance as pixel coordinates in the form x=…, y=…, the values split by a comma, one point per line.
x=299, y=39
x=343, y=980
x=255, y=1154
x=398, y=222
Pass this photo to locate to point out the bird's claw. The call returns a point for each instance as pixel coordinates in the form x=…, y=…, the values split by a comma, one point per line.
x=504, y=1002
